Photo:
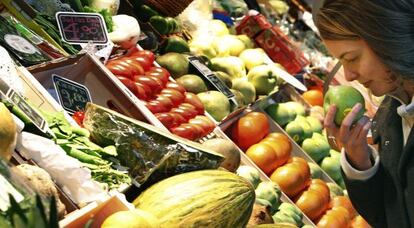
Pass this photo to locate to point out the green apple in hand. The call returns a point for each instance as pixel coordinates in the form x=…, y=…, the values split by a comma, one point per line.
x=344, y=97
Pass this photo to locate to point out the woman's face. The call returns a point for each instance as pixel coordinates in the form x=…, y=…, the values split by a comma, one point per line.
x=362, y=64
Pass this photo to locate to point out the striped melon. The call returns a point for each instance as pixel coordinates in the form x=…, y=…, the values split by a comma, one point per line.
x=208, y=198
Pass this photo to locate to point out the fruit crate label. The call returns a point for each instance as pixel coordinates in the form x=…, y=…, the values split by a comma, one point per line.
x=82, y=28
x=17, y=100
x=71, y=95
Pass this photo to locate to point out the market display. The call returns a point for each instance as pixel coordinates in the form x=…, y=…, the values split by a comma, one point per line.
x=191, y=114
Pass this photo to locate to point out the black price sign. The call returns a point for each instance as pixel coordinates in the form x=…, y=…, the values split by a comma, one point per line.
x=81, y=28
x=72, y=95
x=210, y=76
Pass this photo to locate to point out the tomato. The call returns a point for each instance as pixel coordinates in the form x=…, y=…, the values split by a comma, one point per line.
x=141, y=94
x=178, y=119
x=153, y=83
x=336, y=217
x=131, y=50
x=312, y=204
x=134, y=65
x=250, y=129
x=193, y=99
x=78, y=117
x=281, y=156
x=186, y=131
x=212, y=125
x=176, y=86
x=189, y=108
x=205, y=124
x=166, y=119
x=145, y=54
x=121, y=70
x=313, y=97
x=160, y=73
x=284, y=147
x=263, y=156
x=343, y=201
x=129, y=84
x=147, y=90
x=184, y=113
x=145, y=63
x=156, y=106
x=292, y=177
x=165, y=101
x=174, y=95
x=359, y=222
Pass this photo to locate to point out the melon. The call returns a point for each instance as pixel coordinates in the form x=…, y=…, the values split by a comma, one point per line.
x=7, y=133
x=208, y=198
x=131, y=219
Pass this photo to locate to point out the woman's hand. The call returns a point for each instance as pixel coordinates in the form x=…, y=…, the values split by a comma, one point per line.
x=352, y=137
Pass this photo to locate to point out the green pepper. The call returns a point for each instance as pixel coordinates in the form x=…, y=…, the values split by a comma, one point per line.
x=160, y=24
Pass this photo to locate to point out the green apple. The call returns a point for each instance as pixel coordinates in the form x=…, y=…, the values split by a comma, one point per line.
x=305, y=125
x=215, y=103
x=295, y=130
x=267, y=191
x=332, y=166
x=316, y=171
x=345, y=98
x=316, y=148
x=252, y=57
x=280, y=113
x=263, y=78
x=297, y=107
x=246, y=88
x=314, y=123
x=250, y=174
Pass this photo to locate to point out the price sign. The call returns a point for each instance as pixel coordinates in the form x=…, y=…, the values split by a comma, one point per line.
x=17, y=100
x=82, y=28
x=212, y=78
x=72, y=95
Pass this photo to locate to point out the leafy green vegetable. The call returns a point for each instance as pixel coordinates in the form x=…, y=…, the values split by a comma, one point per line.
x=105, y=14
x=75, y=142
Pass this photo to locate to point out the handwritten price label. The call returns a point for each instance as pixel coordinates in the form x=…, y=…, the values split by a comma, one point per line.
x=81, y=28
x=72, y=95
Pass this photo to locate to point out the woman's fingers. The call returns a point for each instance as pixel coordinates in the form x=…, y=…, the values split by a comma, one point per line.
x=329, y=120
x=356, y=136
x=345, y=128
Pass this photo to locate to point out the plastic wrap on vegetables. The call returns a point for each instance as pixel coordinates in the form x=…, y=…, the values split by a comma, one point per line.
x=148, y=152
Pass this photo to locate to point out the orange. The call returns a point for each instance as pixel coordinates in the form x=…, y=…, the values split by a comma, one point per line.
x=313, y=97
x=263, y=156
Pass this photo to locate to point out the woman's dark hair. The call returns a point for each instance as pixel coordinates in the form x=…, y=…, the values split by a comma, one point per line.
x=386, y=25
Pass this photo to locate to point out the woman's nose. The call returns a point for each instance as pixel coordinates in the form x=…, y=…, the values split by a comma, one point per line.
x=350, y=75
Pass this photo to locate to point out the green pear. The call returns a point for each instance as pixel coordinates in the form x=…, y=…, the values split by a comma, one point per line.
x=246, y=88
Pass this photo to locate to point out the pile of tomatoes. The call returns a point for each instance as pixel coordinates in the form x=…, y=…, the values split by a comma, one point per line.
x=271, y=152
x=180, y=111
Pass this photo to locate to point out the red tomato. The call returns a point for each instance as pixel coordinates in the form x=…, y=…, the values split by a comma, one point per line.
x=147, y=89
x=78, y=117
x=144, y=62
x=118, y=69
x=134, y=65
x=165, y=101
x=187, y=131
x=202, y=123
x=161, y=76
x=131, y=50
x=174, y=95
x=176, y=86
x=166, y=119
x=128, y=83
x=153, y=83
x=193, y=99
x=141, y=93
x=189, y=108
x=146, y=54
x=156, y=107
x=184, y=113
x=212, y=125
x=178, y=119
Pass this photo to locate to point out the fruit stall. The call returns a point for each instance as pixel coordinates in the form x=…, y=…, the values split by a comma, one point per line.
x=168, y=114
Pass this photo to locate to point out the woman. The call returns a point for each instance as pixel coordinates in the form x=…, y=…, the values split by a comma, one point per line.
x=374, y=40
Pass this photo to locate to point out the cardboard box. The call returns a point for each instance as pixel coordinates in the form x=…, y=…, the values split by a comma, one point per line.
x=105, y=89
x=98, y=211
x=281, y=50
x=253, y=25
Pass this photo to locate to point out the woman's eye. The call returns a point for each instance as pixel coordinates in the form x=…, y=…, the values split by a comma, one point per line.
x=352, y=60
